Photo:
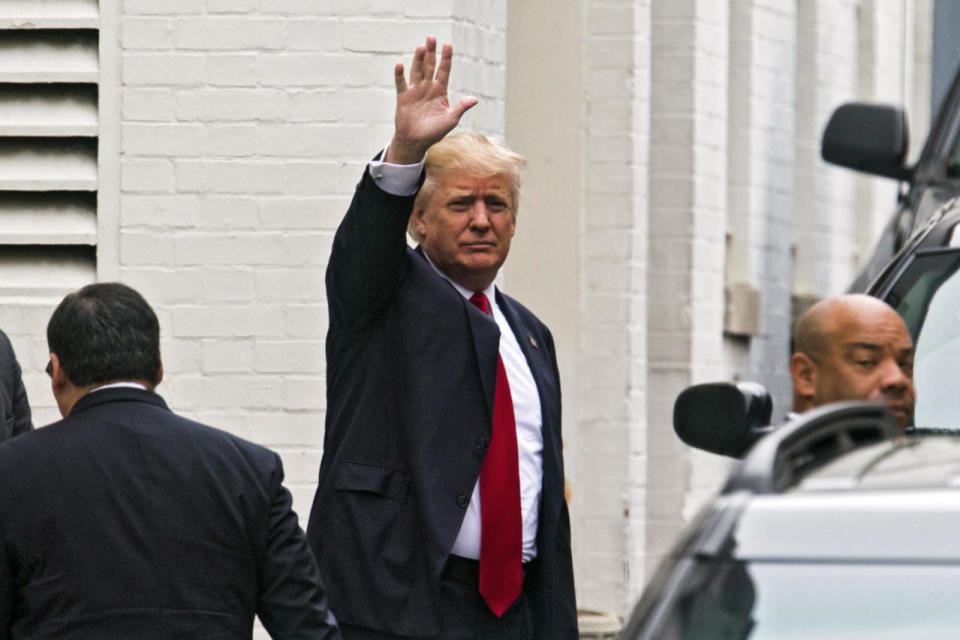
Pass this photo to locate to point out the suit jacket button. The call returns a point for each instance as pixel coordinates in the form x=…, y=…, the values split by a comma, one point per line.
x=463, y=501
x=480, y=444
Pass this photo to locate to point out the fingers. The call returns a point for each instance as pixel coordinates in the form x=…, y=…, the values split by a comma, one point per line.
x=416, y=68
x=398, y=78
x=430, y=59
x=443, y=71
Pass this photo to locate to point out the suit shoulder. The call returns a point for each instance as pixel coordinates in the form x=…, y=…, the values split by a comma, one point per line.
x=522, y=311
x=223, y=437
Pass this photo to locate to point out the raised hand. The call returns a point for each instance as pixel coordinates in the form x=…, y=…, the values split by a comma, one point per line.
x=424, y=115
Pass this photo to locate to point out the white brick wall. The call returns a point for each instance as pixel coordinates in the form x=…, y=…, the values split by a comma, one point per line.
x=688, y=144
x=823, y=197
x=760, y=188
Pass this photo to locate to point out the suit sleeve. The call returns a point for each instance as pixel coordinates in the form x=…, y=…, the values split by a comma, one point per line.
x=367, y=262
x=22, y=419
x=6, y=596
x=292, y=601
x=13, y=389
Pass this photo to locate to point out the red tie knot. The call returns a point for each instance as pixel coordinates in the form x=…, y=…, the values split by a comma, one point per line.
x=480, y=302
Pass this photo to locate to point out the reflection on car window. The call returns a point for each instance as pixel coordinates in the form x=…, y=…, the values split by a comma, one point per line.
x=927, y=296
x=780, y=600
x=936, y=371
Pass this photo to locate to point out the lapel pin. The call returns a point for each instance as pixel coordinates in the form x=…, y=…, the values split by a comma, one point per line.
x=533, y=343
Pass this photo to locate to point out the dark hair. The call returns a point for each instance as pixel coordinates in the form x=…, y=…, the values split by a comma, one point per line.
x=105, y=332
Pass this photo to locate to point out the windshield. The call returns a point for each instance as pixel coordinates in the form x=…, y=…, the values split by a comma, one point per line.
x=927, y=295
x=764, y=600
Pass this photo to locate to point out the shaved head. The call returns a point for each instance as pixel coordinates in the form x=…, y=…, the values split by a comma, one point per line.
x=852, y=347
x=819, y=324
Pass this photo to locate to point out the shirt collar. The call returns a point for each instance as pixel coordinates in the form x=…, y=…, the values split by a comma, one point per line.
x=115, y=385
x=490, y=291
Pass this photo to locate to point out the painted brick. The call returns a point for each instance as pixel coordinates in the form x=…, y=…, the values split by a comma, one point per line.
x=389, y=36
x=154, y=176
x=231, y=6
x=148, y=105
x=165, y=69
x=301, y=284
x=227, y=356
x=305, y=320
x=227, y=285
x=302, y=357
x=323, y=34
x=303, y=69
x=229, y=249
x=229, y=33
x=161, y=285
x=227, y=321
x=218, y=105
x=147, y=33
x=325, y=105
x=163, y=7
x=174, y=139
x=228, y=212
x=210, y=176
x=160, y=210
x=231, y=69
x=302, y=213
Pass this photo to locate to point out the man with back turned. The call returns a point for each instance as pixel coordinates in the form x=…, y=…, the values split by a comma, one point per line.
x=124, y=520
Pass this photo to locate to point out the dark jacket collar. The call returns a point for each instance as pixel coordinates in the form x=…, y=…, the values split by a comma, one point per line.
x=117, y=394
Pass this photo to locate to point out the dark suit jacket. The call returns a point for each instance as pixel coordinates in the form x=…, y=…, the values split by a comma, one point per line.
x=126, y=521
x=14, y=408
x=411, y=370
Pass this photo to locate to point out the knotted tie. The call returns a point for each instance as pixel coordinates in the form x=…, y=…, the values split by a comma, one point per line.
x=501, y=537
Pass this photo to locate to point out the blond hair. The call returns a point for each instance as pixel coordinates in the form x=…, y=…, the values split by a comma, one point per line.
x=474, y=154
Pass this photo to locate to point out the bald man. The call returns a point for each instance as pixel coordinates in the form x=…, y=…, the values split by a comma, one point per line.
x=853, y=347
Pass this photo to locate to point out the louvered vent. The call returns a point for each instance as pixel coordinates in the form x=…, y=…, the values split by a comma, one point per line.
x=48, y=145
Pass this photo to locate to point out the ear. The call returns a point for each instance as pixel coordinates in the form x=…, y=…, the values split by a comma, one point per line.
x=418, y=224
x=159, y=371
x=803, y=373
x=58, y=376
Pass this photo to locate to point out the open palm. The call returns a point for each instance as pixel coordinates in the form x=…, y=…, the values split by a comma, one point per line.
x=424, y=114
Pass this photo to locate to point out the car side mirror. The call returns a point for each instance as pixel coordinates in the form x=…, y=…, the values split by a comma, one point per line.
x=869, y=138
x=723, y=417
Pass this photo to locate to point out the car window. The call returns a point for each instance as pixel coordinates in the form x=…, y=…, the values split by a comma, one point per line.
x=735, y=600
x=927, y=296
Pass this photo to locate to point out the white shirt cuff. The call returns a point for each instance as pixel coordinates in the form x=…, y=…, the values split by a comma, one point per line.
x=396, y=179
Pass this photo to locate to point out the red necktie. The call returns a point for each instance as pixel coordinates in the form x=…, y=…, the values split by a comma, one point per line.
x=501, y=536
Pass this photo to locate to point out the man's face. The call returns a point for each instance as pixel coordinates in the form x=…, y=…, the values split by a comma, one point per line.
x=466, y=227
x=870, y=358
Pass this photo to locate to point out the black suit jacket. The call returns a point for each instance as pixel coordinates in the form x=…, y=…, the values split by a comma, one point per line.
x=411, y=371
x=14, y=408
x=127, y=521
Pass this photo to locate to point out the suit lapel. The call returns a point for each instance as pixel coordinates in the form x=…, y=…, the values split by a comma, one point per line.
x=486, y=343
x=542, y=370
x=486, y=340
x=529, y=346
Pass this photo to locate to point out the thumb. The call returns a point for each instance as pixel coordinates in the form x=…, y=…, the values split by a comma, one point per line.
x=463, y=104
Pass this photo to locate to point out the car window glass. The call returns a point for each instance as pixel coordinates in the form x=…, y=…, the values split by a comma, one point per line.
x=927, y=296
x=781, y=600
x=937, y=355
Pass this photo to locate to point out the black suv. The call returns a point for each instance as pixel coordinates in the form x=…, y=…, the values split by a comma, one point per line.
x=873, y=139
x=838, y=524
